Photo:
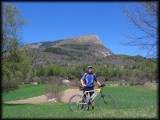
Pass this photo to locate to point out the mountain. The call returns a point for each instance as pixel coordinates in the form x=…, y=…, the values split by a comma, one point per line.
x=86, y=49
x=76, y=50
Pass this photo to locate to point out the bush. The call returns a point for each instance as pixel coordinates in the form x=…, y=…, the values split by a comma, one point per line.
x=15, y=69
x=53, y=88
x=40, y=71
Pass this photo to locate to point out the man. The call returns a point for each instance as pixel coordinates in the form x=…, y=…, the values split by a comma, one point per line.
x=87, y=81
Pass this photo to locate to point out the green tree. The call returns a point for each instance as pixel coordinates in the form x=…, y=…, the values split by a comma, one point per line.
x=55, y=70
x=15, y=61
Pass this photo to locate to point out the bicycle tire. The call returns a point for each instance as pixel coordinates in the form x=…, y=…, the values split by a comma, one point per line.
x=106, y=100
x=76, y=103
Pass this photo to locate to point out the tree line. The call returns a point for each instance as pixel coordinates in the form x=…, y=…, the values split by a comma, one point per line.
x=135, y=73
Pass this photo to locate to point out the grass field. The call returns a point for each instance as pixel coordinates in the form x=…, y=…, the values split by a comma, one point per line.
x=27, y=91
x=132, y=102
x=24, y=91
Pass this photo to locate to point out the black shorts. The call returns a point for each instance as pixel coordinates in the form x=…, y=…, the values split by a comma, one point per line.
x=88, y=89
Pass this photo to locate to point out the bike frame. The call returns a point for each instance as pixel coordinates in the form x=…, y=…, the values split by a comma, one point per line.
x=86, y=100
x=96, y=91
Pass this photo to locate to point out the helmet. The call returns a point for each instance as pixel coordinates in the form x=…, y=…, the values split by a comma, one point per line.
x=89, y=67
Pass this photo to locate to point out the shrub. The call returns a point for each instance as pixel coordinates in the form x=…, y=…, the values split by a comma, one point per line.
x=53, y=88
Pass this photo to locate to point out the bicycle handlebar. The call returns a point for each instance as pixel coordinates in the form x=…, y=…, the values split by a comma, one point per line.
x=82, y=88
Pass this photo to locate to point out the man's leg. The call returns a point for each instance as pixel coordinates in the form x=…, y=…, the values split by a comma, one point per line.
x=92, y=102
x=84, y=98
x=90, y=93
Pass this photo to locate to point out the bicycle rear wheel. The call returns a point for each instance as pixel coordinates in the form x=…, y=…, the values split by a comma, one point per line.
x=76, y=103
x=106, y=100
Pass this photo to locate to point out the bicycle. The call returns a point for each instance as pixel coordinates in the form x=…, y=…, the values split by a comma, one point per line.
x=79, y=102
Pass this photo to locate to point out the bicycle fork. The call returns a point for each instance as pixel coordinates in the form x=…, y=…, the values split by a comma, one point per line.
x=90, y=100
x=93, y=96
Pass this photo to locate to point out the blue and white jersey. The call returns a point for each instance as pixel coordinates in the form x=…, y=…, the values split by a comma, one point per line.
x=89, y=79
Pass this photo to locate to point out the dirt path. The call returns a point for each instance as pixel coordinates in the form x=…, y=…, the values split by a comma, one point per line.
x=43, y=98
x=33, y=100
x=68, y=93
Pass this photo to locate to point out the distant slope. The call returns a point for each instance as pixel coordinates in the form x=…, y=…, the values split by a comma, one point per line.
x=72, y=50
x=77, y=50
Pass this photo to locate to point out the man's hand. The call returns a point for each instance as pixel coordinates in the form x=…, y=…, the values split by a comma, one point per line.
x=102, y=85
x=83, y=85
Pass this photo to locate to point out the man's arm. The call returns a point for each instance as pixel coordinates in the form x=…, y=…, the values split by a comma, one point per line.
x=82, y=80
x=95, y=78
x=82, y=83
x=99, y=84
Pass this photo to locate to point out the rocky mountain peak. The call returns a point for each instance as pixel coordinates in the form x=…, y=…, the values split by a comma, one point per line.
x=89, y=39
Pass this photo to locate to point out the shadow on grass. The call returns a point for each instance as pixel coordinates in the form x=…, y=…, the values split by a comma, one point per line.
x=16, y=104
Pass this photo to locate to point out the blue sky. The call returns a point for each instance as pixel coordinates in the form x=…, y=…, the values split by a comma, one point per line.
x=53, y=21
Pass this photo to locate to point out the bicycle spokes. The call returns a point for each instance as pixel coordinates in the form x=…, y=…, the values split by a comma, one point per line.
x=108, y=100
x=105, y=101
x=77, y=103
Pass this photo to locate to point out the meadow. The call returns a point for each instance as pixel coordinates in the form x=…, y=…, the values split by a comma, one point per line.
x=131, y=102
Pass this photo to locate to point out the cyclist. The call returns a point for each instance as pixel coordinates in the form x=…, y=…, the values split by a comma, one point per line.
x=87, y=81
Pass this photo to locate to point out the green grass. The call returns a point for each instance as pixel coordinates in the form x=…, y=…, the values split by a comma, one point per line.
x=24, y=91
x=132, y=102
x=27, y=91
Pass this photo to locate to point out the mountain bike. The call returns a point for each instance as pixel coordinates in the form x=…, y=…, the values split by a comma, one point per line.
x=79, y=102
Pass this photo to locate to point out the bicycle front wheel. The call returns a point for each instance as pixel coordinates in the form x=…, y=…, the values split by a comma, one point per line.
x=76, y=103
x=106, y=100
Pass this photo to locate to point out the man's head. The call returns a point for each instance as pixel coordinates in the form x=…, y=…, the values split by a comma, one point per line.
x=90, y=69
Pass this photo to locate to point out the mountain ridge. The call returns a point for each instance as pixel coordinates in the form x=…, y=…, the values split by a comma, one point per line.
x=91, y=38
x=86, y=49
x=74, y=49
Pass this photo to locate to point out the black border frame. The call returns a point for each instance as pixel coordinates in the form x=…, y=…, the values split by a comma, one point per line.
x=158, y=53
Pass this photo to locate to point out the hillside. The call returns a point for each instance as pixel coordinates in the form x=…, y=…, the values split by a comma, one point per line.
x=69, y=51
x=77, y=50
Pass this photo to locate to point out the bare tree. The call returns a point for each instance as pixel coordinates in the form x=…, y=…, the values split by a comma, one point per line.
x=144, y=18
